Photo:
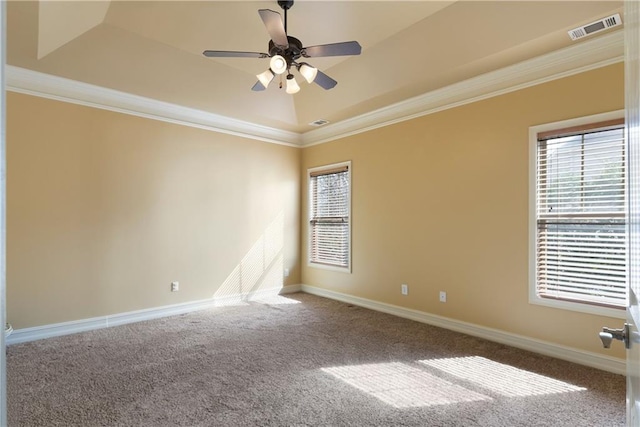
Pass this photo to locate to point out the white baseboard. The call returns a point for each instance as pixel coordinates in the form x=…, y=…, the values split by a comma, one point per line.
x=66, y=328
x=594, y=360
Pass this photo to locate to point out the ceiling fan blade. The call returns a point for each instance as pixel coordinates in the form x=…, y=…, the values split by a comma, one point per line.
x=324, y=81
x=275, y=27
x=233, y=54
x=258, y=87
x=333, y=49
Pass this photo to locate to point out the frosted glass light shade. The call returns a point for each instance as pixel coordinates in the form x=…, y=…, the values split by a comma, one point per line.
x=266, y=77
x=308, y=72
x=292, y=85
x=278, y=64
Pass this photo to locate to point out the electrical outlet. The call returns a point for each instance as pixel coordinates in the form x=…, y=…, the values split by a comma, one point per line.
x=286, y=272
x=404, y=289
x=175, y=286
x=443, y=296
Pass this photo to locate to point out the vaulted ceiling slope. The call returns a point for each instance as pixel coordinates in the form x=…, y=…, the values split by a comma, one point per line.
x=154, y=49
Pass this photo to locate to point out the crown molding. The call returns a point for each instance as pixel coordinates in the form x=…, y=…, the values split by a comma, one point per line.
x=584, y=56
x=581, y=57
x=34, y=83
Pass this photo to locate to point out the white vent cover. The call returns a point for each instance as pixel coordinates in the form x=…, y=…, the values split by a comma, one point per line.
x=595, y=27
x=319, y=122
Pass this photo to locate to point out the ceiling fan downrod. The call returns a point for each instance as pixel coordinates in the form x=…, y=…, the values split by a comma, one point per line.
x=285, y=5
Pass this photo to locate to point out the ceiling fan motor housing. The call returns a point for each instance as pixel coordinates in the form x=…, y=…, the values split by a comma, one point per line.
x=293, y=52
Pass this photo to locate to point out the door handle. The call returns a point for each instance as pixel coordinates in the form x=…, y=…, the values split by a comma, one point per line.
x=609, y=334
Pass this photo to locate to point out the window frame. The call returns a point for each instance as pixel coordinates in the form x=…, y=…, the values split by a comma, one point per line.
x=317, y=169
x=534, y=131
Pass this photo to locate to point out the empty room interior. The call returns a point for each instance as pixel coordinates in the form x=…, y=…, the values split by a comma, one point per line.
x=416, y=217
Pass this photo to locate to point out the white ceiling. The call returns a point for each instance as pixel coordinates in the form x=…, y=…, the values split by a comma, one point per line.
x=154, y=49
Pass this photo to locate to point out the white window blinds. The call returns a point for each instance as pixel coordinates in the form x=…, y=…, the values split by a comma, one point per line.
x=580, y=214
x=329, y=213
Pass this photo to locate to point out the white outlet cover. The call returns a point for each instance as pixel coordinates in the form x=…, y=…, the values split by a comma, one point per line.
x=175, y=286
x=443, y=297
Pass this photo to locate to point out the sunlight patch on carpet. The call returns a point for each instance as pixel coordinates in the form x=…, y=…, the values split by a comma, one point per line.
x=500, y=378
x=275, y=300
x=403, y=386
x=231, y=301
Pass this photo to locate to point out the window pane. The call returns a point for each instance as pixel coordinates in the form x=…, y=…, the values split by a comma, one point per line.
x=582, y=174
x=583, y=261
x=331, y=195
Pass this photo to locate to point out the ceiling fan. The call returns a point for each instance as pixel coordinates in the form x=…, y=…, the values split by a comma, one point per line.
x=285, y=52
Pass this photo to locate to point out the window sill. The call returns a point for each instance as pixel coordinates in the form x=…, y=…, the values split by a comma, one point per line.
x=329, y=267
x=582, y=308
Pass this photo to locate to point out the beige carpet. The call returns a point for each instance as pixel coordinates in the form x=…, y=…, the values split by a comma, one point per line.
x=298, y=360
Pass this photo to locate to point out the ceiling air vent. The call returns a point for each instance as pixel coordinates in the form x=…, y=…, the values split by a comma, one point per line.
x=319, y=122
x=595, y=27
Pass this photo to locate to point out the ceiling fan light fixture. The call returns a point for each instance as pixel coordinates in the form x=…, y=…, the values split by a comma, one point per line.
x=292, y=85
x=284, y=50
x=278, y=64
x=266, y=77
x=308, y=72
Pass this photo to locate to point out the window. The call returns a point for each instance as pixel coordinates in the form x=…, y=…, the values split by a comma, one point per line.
x=330, y=216
x=579, y=236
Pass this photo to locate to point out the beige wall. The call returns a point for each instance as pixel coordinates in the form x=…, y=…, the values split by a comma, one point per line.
x=105, y=210
x=441, y=203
